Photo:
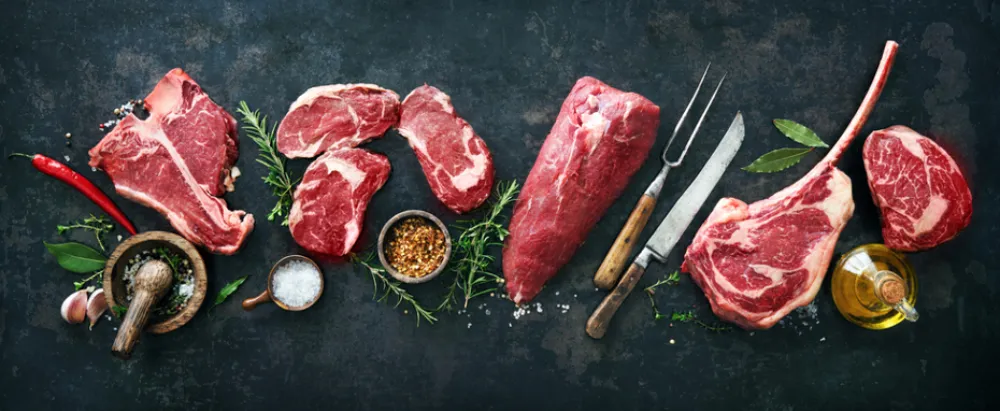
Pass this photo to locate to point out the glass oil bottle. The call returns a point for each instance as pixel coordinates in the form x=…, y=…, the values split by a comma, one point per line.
x=874, y=287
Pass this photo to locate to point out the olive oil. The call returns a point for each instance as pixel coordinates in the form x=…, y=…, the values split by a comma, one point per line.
x=874, y=287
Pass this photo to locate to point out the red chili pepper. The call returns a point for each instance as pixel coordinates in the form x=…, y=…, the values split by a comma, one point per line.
x=65, y=174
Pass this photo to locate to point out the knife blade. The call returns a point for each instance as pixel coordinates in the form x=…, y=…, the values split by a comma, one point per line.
x=671, y=228
x=679, y=218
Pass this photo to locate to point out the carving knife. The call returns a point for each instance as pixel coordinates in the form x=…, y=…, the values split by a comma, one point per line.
x=671, y=228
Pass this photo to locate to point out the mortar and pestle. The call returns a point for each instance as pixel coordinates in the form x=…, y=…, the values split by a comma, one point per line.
x=152, y=282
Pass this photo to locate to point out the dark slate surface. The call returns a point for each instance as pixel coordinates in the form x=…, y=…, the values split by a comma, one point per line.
x=65, y=65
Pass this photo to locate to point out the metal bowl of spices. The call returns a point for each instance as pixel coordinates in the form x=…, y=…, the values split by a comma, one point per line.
x=414, y=246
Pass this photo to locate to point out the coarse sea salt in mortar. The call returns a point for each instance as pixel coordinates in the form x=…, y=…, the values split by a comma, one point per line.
x=296, y=283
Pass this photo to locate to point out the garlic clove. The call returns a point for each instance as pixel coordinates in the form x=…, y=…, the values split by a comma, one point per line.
x=96, y=306
x=74, y=308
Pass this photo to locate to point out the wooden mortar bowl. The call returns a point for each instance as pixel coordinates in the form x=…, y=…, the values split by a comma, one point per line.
x=113, y=272
x=383, y=242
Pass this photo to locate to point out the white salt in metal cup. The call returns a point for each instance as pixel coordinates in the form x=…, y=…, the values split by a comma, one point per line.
x=268, y=294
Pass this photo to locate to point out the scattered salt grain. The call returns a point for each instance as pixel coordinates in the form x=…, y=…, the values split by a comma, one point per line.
x=509, y=325
x=574, y=295
x=93, y=169
x=538, y=307
x=66, y=158
x=119, y=237
x=468, y=326
x=557, y=293
x=672, y=341
x=296, y=283
x=487, y=312
x=822, y=339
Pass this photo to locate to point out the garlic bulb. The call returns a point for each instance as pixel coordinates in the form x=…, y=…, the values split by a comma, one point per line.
x=96, y=306
x=74, y=308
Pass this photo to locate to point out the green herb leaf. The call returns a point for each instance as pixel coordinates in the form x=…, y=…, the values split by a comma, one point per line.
x=77, y=257
x=229, y=289
x=682, y=317
x=119, y=310
x=799, y=133
x=777, y=160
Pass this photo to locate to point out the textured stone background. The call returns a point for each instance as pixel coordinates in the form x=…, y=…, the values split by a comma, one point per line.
x=65, y=65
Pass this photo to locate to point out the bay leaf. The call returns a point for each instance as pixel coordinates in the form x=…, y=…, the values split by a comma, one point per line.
x=799, y=133
x=777, y=160
x=77, y=257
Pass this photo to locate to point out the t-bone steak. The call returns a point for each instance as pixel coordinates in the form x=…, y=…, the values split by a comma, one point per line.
x=918, y=187
x=335, y=117
x=178, y=162
x=456, y=162
x=759, y=262
x=330, y=202
x=600, y=139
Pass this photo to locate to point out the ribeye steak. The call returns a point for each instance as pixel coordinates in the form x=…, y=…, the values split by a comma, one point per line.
x=759, y=262
x=600, y=139
x=336, y=116
x=330, y=202
x=918, y=187
x=456, y=162
x=178, y=162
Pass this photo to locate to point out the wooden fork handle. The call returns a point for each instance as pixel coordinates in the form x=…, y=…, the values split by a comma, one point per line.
x=598, y=323
x=617, y=257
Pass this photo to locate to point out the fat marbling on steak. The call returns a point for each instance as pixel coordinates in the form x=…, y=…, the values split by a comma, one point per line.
x=336, y=116
x=759, y=262
x=456, y=161
x=600, y=139
x=919, y=189
x=330, y=202
x=178, y=161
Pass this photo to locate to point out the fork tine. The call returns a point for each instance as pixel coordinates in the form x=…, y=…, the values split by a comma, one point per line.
x=687, y=109
x=698, y=126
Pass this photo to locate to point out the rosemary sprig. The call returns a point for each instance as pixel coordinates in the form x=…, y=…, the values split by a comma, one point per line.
x=471, y=259
x=382, y=283
x=98, y=225
x=277, y=177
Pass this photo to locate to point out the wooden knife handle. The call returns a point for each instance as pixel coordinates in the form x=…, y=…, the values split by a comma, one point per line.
x=617, y=258
x=597, y=325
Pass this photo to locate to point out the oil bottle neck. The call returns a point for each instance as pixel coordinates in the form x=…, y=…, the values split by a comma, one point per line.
x=891, y=290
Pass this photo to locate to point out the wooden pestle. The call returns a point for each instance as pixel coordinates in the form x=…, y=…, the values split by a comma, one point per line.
x=150, y=284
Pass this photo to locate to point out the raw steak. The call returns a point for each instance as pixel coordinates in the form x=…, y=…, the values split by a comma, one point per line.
x=456, y=162
x=600, y=139
x=178, y=162
x=330, y=202
x=336, y=116
x=918, y=187
x=759, y=262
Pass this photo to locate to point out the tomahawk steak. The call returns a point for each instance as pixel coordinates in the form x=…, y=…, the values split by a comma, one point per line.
x=178, y=161
x=336, y=116
x=600, y=139
x=918, y=187
x=759, y=262
x=330, y=202
x=456, y=162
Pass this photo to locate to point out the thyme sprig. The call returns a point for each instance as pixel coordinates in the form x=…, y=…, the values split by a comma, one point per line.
x=278, y=176
x=679, y=316
x=471, y=259
x=382, y=284
x=99, y=225
x=672, y=279
x=690, y=317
